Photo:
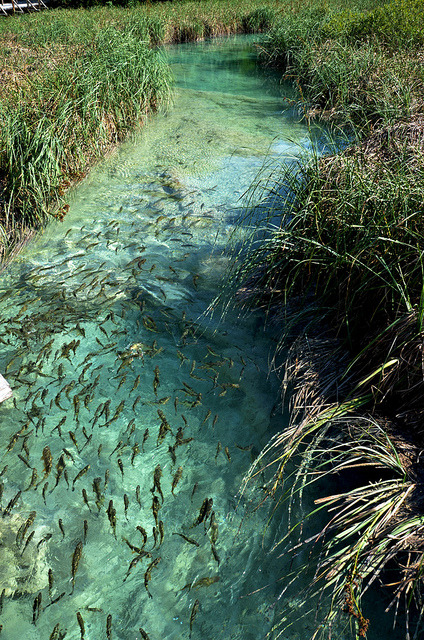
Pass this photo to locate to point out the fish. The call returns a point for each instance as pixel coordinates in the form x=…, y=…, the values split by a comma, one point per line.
x=227, y=453
x=138, y=398
x=181, y=356
x=11, y=504
x=44, y=491
x=117, y=412
x=138, y=550
x=79, y=475
x=204, y=582
x=186, y=538
x=105, y=410
x=208, y=415
x=44, y=539
x=85, y=527
x=121, y=382
x=74, y=440
x=137, y=494
x=25, y=445
x=143, y=533
x=121, y=467
x=76, y=403
x=161, y=532
x=36, y=608
x=214, y=421
x=145, y=436
x=130, y=426
x=213, y=528
x=24, y=460
x=148, y=574
x=76, y=557
x=133, y=562
x=81, y=624
x=172, y=454
x=68, y=388
x=143, y=634
x=135, y=452
x=195, y=486
x=51, y=581
x=126, y=504
x=218, y=449
x=21, y=533
x=57, y=402
x=13, y=441
x=85, y=498
x=176, y=479
x=149, y=323
x=155, y=537
x=58, y=426
x=156, y=481
x=109, y=627
x=68, y=454
x=59, y=597
x=97, y=491
x=111, y=514
x=194, y=610
x=28, y=540
x=118, y=446
x=156, y=381
x=89, y=439
x=61, y=527
x=155, y=508
x=136, y=383
x=215, y=554
x=203, y=512
x=55, y=633
x=47, y=460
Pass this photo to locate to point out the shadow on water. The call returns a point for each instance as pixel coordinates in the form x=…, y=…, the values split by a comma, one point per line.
x=135, y=415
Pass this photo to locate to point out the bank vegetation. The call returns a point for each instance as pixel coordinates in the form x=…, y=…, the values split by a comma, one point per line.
x=341, y=274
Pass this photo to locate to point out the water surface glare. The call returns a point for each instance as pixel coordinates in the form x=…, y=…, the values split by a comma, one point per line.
x=117, y=372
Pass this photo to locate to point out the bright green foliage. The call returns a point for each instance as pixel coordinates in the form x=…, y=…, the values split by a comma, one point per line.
x=399, y=23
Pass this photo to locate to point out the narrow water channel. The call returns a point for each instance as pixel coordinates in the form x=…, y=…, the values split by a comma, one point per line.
x=134, y=412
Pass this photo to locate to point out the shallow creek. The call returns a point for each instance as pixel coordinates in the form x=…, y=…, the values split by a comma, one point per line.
x=117, y=371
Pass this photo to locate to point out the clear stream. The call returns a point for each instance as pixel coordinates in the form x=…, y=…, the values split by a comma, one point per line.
x=117, y=371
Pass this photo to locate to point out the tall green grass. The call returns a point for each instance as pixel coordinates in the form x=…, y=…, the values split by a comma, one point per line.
x=338, y=263
x=357, y=66
x=60, y=119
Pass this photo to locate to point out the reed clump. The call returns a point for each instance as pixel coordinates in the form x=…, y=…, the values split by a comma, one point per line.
x=361, y=67
x=338, y=266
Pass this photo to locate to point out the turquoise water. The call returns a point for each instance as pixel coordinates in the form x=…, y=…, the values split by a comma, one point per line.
x=118, y=371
